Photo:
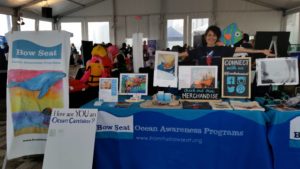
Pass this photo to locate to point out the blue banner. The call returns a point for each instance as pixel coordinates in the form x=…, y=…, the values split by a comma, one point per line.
x=284, y=137
x=177, y=139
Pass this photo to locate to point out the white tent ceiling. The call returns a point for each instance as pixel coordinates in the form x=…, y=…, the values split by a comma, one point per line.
x=59, y=7
x=65, y=7
x=277, y=4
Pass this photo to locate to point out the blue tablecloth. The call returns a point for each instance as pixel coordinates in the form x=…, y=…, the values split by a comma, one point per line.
x=137, y=138
x=285, y=147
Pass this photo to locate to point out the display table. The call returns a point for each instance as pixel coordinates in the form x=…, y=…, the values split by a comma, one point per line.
x=285, y=147
x=137, y=138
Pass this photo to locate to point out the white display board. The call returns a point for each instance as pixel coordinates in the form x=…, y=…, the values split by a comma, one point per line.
x=71, y=138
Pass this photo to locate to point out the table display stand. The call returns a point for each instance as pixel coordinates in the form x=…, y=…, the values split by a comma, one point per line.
x=4, y=162
x=135, y=98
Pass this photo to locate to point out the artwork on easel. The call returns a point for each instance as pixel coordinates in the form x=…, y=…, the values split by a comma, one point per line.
x=277, y=71
x=108, y=89
x=165, y=72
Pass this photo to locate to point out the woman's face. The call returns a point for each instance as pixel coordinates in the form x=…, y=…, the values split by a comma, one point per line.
x=211, y=38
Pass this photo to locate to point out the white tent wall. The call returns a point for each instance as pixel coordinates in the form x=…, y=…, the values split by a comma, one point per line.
x=249, y=17
x=250, y=22
x=154, y=14
x=7, y=11
x=292, y=26
x=137, y=7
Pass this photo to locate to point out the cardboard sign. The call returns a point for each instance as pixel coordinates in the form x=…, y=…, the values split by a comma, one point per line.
x=71, y=138
x=200, y=94
x=236, y=73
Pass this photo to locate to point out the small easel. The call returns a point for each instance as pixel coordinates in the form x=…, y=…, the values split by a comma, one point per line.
x=274, y=43
x=4, y=162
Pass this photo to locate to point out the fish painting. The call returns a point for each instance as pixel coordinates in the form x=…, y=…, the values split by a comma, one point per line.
x=42, y=82
x=231, y=35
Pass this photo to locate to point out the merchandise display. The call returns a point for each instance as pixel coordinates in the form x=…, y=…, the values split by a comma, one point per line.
x=162, y=98
x=238, y=105
x=149, y=104
x=196, y=105
x=282, y=107
x=123, y=105
x=220, y=105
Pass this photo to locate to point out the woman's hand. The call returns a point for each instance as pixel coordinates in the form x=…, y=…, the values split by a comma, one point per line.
x=268, y=53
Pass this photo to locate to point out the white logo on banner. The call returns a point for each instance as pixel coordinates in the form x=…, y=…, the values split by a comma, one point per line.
x=295, y=129
x=107, y=122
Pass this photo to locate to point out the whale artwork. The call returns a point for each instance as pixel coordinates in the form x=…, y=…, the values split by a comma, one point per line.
x=42, y=82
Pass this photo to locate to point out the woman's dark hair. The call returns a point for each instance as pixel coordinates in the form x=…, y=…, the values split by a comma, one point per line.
x=216, y=30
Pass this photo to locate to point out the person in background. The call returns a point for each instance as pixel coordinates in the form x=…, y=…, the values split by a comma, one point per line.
x=123, y=49
x=118, y=60
x=145, y=52
x=129, y=49
x=185, y=46
x=244, y=42
x=73, y=53
x=3, y=59
x=73, y=48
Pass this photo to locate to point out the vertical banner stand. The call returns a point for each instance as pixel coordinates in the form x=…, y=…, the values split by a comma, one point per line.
x=4, y=162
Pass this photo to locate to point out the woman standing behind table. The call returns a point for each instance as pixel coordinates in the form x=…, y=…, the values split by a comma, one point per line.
x=213, y=51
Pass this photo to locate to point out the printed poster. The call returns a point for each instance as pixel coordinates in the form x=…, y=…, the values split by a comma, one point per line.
x=37, y=82
x=108, y=89
x=236, y=82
